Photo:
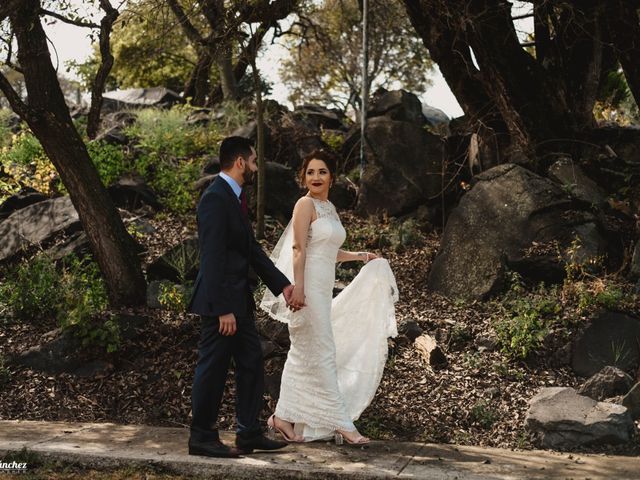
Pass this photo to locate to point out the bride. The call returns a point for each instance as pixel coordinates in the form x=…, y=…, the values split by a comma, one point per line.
x=338, y=347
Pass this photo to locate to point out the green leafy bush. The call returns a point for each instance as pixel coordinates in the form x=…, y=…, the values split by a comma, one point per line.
x=32, y=289
x=24, y=159
x=484, y=414
x=524, y=319
x=174, y=297
x=109, y=160
x=171, y=152
x=5, y=374
x=74, y=294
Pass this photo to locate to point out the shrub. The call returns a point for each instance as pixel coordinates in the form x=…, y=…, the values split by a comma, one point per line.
x=484, y=414
x=32, y=289
x=170, y=150
x=74, y=294
x=174, y=297
x=524, y=319
x=24, y=159
x=109, y=160
x=5, y=374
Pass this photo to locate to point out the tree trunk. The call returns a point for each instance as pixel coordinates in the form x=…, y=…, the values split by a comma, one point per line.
x=260, y=203
x=531, y=105
x=227, y=77
x=97, y=88
x=624, y=29
x=48, y=117
x=462, y=76
x=197, y=87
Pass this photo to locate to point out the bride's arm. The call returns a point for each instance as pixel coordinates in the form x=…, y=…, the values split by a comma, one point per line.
x=344, y=256
x=302, y=218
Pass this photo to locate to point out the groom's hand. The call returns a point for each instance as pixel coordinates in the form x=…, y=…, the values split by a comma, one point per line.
x=288, y=293
x=227, y=324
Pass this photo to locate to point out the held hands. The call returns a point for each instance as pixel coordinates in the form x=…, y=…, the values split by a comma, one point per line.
x=294, y=296
x=228, y=324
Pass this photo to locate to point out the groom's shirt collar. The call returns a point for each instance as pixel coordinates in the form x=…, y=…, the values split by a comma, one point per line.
x=237, y=189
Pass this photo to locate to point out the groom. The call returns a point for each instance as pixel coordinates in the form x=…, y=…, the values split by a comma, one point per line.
x=223, y=298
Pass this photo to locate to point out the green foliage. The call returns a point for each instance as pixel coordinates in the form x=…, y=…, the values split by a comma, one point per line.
x=184, y=259
x=173, y=297
x=484, y=414
x=334, y=140
x=74, y=294
x=24, y=148
x=84, y=299
x=149, y=48
x=615, y=103
x=5, y=374
x=326, y=53
x=24, y=160
x=109, y=160
x=524, y=320
x=5, y=129
x=31, y=290
x=171, y=148
x=584, y=293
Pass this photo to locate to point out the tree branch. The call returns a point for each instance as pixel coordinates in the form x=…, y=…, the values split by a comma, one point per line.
x=189, y=29
x=17, y=105
x=106, y=25
x=70, y=21
x=8, y=6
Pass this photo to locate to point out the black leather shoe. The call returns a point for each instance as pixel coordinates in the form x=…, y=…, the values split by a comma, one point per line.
x=213, y=448
x=258, y=442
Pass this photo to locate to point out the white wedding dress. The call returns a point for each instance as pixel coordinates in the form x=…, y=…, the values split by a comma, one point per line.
x=338, y=346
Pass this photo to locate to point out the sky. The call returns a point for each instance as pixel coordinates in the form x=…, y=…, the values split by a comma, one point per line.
x=68, y=42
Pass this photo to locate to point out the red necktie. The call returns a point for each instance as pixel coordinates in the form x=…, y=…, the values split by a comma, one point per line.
x=243, y=204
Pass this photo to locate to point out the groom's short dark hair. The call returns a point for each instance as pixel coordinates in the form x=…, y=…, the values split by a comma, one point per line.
x=231, y=148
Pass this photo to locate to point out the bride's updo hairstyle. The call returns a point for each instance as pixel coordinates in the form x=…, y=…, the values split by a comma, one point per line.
x=328, y=158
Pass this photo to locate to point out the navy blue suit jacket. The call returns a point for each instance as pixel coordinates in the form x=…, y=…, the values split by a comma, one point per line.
x=227, y=249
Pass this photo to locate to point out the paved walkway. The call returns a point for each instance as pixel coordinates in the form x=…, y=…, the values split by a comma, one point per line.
x=105, y=444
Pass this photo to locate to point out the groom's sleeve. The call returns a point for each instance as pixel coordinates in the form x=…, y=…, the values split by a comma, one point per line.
x=273, y=278
x=212, y=235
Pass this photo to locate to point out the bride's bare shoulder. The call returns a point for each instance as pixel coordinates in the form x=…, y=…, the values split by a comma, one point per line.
x=304, y=203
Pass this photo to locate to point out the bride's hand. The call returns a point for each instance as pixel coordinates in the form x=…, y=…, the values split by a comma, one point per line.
x=368, y=256
x=297, y=299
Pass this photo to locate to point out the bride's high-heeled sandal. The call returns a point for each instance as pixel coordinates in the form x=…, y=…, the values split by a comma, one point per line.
x=340, y=439
x=271, y=426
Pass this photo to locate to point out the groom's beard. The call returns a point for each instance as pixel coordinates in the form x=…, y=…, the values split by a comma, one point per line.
x=248, y=176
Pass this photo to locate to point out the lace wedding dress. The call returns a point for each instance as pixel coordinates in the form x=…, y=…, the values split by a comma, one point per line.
x=338, y=346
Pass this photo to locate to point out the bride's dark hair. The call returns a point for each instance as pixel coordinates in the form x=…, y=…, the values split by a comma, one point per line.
x=328, y=158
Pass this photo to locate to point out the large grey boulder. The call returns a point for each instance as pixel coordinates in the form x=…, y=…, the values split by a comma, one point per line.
x=610, y=339
x=436, y=119
x=403, y=167
x=23, y=199
x=576, y=182
x=281, y=190
x=632, y=401
x=35, y=224
x=607, y=383
x=560, y=418
x=318, y=117
x=139, y=98
x=132, y=192
x=505, y=221
x=398, y=105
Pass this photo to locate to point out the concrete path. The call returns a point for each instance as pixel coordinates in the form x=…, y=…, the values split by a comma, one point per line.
x=105, y=444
